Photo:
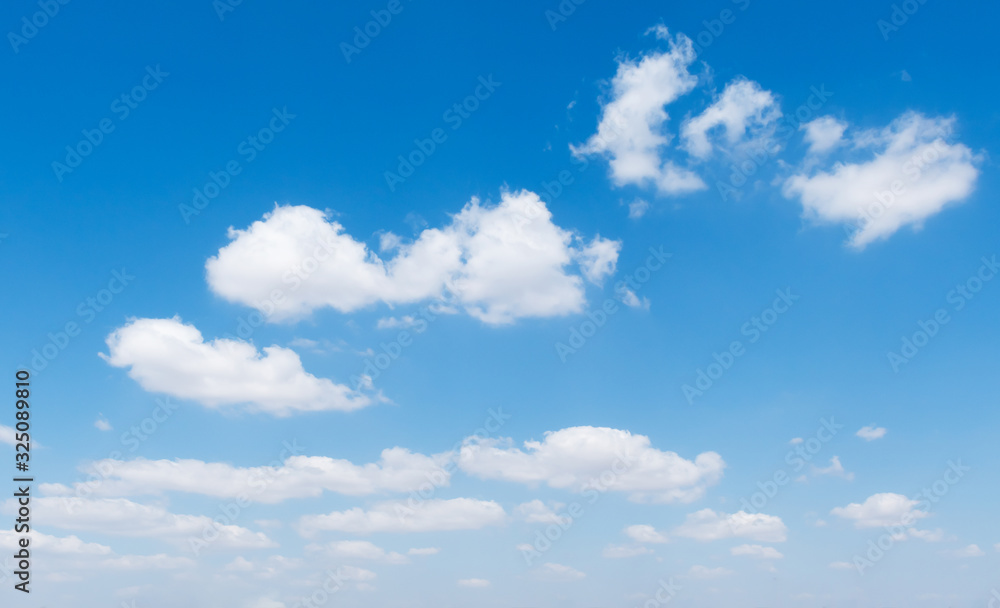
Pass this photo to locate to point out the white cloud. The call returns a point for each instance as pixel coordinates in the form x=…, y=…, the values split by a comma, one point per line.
x=7, y=435
x=499, y=263
x=964, y=552
x=121, y=517
x=358, y=549
x=401, y=516
x=708, y=525
x=756, y=552
x=746, y=114
x=795, y=441
x=706, y=573
x=637, y=208
x=102, y=424
x=538, y=512
x=871, y=433
x=474, y=583
x=907, y=173
x=842, y=565
x=558, y=573
x=595, y=458
x=835, y=469
x=631, y=130
x=403, y=322
x=645, y=534
x=880, y=510
x=624, y=551
x=168, y=356
x=424, y=551
x=398, y=470
x=824, y=134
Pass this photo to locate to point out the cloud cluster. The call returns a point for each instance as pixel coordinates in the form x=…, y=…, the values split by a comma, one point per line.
x=498, y=263
x=882, y=510
x=632, y=132
x=599, y=459
x=400, y=516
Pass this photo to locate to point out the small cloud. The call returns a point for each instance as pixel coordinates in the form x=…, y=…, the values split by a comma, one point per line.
x=842, y=565
x=795, y=441
x=637, y=208
x=475, y=583
x=643, y=533
x=905, y=76
x=964, y=552
x=871, y=433
x=102, y=423
x=623, y=551
x=756, y=552
x=704, y=572
x=558, y=573
x=425, y=551
x=835, y=469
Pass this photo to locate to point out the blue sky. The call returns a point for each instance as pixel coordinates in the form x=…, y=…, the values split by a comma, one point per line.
x=404, y=374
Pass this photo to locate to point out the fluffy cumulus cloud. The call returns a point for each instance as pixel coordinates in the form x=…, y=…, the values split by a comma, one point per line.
x=537, y=512
x=745, y=114
x=835, y=469
x=398, y=470
x=499, y=263
x=708, y=525
x=122, y=517
x=634, y=135
x=171, y=357
x=587, y=458
x=890, y=178
x=402, y=516
x=882, y=510
x=631, y=131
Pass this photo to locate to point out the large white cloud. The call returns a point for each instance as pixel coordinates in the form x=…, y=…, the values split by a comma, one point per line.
x=631, y=131
x=592, y=458
x=398, y=470
x=894, y=177
x=122, y=517
x=746, y=114
x=708, y=525
x=498, y=263
x=171, y=357
x=881, y=510
x=69, y=552
x=402, y=516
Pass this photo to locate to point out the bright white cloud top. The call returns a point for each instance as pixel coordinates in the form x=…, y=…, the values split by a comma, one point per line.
x=498, y=263
x=708, y=525
x=881, y=510
x=894, y=177
x=168, y=356
x=593, y=459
